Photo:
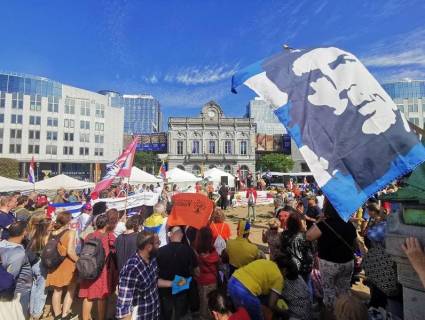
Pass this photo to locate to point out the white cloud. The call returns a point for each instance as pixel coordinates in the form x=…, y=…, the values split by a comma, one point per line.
x=201, y=75
x=152, y=79
x=402, y=50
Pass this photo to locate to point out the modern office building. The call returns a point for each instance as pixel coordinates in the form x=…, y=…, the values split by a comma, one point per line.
x=272, y=135
x=409, y=96
x=66, y=129
x=212, y=140
x=142, y=114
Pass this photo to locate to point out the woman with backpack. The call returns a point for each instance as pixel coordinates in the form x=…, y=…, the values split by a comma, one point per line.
x=208, y=260
x=38, y=234
x=95, y=271
x=59, y=257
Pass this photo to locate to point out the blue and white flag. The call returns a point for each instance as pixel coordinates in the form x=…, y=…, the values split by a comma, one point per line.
x=72, y=207
x=349, y=131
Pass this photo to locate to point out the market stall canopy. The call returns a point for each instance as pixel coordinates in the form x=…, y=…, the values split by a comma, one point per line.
x=9, y=185
x=140, y=176
x=62, y=181
x=178, y=175
x=215, y=175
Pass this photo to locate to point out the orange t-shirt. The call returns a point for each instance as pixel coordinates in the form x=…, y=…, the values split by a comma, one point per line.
x=221, y=229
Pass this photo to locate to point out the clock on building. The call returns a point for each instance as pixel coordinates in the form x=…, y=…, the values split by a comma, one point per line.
x=211, y=113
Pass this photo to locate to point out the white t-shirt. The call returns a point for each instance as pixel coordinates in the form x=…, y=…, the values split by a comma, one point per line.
x=119, y=229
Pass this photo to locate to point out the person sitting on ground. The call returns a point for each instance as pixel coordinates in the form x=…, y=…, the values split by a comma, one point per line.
x=260, y=278
x=272, y=237
x=416, y=255
x=15, y=260
x=221, y=307
x=241, y=251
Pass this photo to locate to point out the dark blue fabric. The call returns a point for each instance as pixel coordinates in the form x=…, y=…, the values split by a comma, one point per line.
x=242, y=297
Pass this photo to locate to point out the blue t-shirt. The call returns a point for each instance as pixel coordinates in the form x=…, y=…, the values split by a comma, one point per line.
x=6, y=219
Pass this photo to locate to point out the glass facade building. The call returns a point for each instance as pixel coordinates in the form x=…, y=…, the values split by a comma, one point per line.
x=266, y=120
x=66, y=129
x=141, y=114
x=409, y=96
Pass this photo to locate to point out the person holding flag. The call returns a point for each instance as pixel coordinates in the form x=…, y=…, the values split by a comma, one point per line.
x=31, y=175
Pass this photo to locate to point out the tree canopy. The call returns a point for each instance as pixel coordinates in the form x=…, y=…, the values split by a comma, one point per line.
x=274, y=162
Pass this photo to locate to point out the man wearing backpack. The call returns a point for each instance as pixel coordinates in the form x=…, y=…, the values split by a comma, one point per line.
x=15, y=261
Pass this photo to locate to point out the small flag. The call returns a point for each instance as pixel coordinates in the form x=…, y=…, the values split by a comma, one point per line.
x=162, y=171
x=31, y=175
x=72, y=207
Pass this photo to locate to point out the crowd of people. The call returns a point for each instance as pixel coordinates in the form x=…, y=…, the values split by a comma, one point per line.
x=133, y=266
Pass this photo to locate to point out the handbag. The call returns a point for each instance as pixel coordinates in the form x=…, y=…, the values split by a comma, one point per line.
x=380, y=270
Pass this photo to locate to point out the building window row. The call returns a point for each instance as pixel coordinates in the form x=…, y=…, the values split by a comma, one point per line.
x=84, y=137
x=33, y=149
x=243, y=147
x=85, y=108
x=69, y=123
x=15, y=148
x=68, y=136
x=52, y=135
x=100, y=110
x=99, y=126
x=2, y=100
x=52, y=122
x=34, y=134
x=84, y=124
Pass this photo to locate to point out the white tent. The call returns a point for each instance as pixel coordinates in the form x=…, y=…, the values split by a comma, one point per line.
x=139, y=176
x=63, y=181
x=183, y=179
x=215, y=175
x=8, y=185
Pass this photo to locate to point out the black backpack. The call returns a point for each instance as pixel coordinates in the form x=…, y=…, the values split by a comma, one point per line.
x=92, y=259
x=50, y=256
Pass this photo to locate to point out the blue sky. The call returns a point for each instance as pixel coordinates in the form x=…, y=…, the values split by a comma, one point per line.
x=185, y=52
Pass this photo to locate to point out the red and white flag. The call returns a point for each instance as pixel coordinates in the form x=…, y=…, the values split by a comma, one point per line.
x=121, y=167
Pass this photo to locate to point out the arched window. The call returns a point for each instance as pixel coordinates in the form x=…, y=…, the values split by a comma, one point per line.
x=181, y=167
x=228, y=169
x=211, y=147
x=196, y=170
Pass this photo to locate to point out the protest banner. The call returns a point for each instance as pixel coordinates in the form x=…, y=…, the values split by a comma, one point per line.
x=133, y=201
x=191, y=209
x=263, y=197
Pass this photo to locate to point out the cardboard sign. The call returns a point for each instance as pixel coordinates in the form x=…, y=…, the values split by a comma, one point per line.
x=190, y=209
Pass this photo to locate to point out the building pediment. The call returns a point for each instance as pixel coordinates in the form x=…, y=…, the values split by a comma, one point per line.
x=212, y=111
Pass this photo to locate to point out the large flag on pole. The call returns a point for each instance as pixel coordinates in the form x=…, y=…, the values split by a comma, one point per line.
x=128, y=164
x=115, y=168
x=349, y=131
x=31, y=173
x=162, y=171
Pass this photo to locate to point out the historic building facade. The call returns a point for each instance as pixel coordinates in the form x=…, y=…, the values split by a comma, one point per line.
x=212, y=140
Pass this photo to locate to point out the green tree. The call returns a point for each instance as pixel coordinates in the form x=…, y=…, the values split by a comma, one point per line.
x=147, y=161
x=9, y=168
x=274, y=162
